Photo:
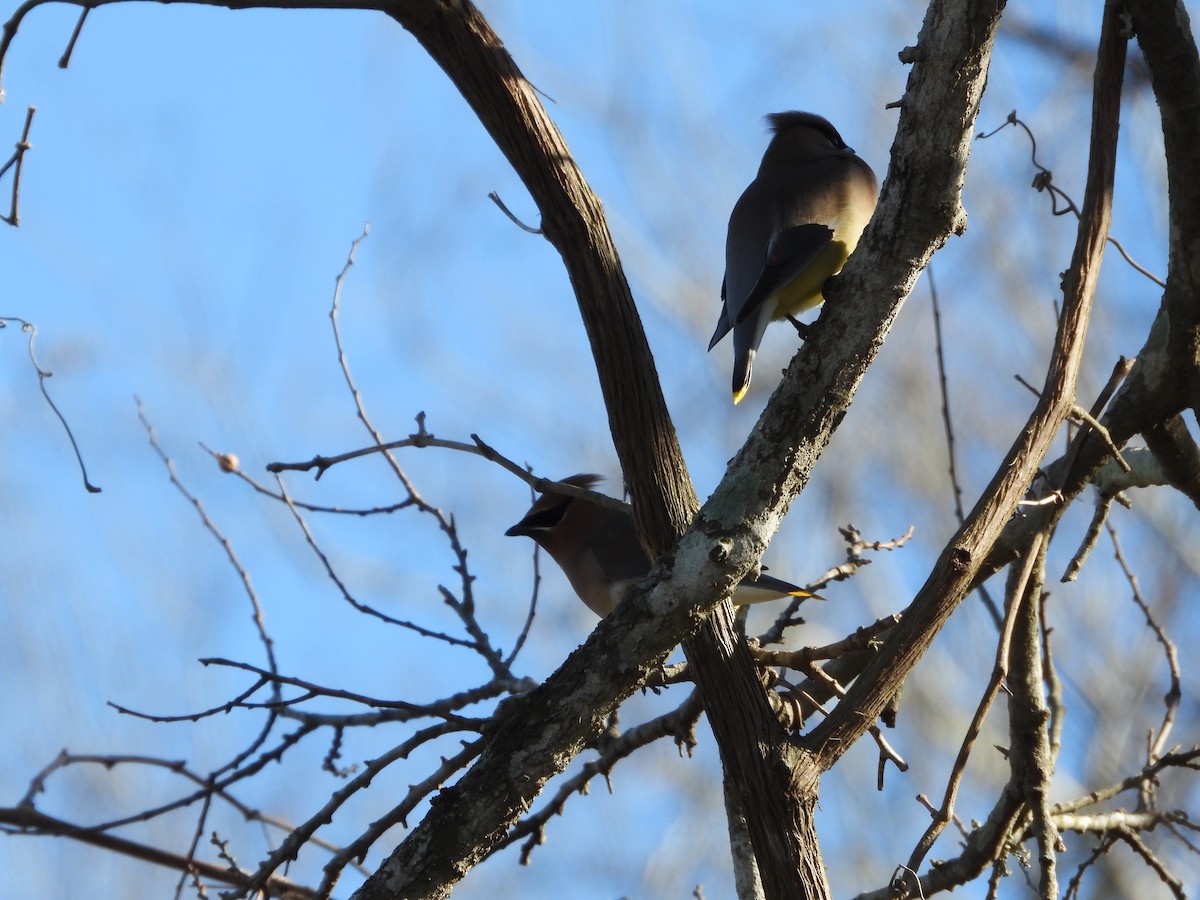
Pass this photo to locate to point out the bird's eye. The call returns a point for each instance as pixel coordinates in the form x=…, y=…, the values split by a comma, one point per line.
x=547, y=518
x=835, y=139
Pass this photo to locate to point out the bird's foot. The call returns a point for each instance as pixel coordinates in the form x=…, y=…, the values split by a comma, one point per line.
x=801, y=329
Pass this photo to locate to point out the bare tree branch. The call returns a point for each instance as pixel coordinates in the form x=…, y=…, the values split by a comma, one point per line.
x=31, y=821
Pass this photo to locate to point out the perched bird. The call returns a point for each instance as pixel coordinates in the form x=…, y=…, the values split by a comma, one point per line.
x=792, y=228
x=598, y=550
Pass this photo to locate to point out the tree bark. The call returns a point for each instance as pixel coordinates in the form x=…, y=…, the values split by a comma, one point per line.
x=776, y=781
x=956, y=568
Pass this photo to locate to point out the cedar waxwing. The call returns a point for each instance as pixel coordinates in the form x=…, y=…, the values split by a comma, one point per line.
x=598, y=550
x=792, y=228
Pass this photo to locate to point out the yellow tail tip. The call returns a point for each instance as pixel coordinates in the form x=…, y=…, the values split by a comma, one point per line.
x=739, y=394
x=807, y=595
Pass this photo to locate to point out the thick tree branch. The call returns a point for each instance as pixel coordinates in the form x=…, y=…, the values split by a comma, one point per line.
x=1164, y=32
x=1177, y=453
x=752, y=744
x=1154, y=393
x=918, y=211
x=955, y=570
x=1029, y=754
x=459, y=40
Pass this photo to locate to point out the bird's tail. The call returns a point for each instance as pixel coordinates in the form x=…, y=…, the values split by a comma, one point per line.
x=765, y=588
x=743, y=365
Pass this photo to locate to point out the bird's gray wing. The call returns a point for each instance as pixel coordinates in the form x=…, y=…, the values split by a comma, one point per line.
x=789, y=252
x=617, y=548
x=724, y=326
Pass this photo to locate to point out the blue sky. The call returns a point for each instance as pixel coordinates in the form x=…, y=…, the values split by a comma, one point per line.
x=196, y=179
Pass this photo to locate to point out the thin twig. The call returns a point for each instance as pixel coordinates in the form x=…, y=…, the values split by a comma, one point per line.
x=999, y=671
x=1103, y=504
x=234, y=765
x=229, y=463
x=886, y=751
x=533, y=602
x=440, y=709
x=943, y=386
x=855, y=547
x=18, y=159
x=65, y=59
x=42, y=374
x=868, y=637
x=364, y=608
x=478, y=447
x=1044, y=181
x=290, y=847
x=1156, y=865
x=679, y=724
x=1175, y=692
x=31, y=821
x=398, y=814
x=1091, y=536
x=464, y=607
x=211, y=527
x=495, y=198
x=947, y=423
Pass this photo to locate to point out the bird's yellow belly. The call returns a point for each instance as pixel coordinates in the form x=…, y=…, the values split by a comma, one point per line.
x=804, y=291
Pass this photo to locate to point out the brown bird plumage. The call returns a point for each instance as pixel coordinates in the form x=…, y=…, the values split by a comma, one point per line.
x=792, y=228
x=598, y=550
